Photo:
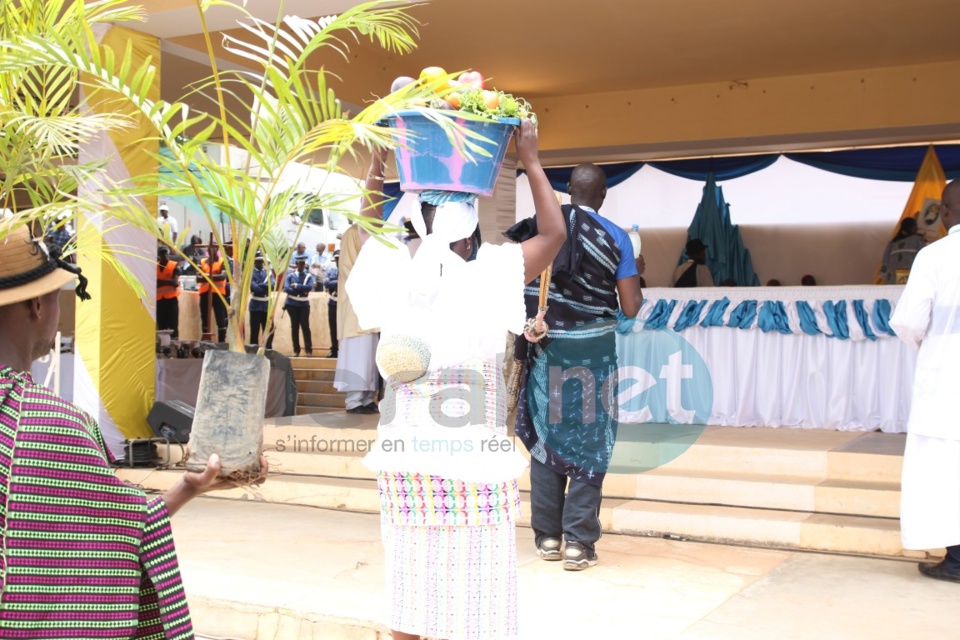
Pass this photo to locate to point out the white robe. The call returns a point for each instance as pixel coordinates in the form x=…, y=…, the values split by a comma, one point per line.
x=928, y=317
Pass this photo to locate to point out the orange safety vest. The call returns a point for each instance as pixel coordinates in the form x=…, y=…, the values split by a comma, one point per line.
x=166, y=291
x=217, y=268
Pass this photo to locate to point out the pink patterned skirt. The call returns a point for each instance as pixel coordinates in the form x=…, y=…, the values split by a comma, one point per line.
x=450, y=550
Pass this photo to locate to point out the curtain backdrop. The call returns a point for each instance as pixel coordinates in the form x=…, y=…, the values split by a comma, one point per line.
x=899, y=164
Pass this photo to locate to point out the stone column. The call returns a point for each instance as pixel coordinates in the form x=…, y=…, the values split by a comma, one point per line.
x=116, y=330
x=498, y=212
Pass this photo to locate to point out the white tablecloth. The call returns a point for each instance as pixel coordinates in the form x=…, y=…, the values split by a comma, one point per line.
x=775, y=379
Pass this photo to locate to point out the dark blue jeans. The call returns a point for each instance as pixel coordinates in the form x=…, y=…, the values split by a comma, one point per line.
x=574, y=516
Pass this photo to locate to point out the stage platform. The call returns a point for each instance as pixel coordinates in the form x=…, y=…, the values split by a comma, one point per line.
x=774, y=488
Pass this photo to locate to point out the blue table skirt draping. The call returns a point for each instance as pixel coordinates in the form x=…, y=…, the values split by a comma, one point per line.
x=845, y=313
x=807, y=357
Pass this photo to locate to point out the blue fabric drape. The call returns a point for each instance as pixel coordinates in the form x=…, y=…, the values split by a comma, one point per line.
x=727, y=257
x=881, y=317
x=863, y=319
x=836, y=313
x=743, y=315
x=899, y=164
x=808, y=319
x=616, y=173
x=769, y=315
x=773, y=317
x=661, y=314
x=722, y=168
x=715, y=315
x=894, y=163
x=624, y=323
x=690, y=315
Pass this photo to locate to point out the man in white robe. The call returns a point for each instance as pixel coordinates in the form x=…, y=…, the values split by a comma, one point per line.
x=928, y=317
x=357, y=373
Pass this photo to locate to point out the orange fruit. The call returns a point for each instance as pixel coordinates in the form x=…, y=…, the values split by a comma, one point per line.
x=432, y=75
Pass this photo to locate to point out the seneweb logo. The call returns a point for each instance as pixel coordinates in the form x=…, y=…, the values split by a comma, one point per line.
x=611, y=403
x=601, y=401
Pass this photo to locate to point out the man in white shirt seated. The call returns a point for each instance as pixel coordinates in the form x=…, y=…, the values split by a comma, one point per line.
x=694, y=272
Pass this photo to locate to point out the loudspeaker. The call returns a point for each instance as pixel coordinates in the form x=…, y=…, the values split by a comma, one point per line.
x=171, y=420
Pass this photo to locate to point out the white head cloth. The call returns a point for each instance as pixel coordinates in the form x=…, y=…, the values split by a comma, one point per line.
x=453, y=221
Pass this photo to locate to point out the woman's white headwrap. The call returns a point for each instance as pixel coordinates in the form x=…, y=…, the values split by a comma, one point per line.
x=453, y=221
x=402, y=282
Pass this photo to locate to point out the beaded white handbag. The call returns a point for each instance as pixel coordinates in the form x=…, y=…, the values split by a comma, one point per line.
x=403, y=357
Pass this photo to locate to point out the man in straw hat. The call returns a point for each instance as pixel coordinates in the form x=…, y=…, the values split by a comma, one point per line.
x=80, y=547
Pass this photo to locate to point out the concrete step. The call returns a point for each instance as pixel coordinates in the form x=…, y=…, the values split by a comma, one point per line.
x=792, y=453
x=765, y=492
x=823, y=491
x=313, y=362
x=309, y=411
x=341, y=457
x=700, y=475
x=315, y=386
x=714, y=523
x=761, y=527
x=329, y=493
x=320, y=375
x=326, y=400
x=722, y=452
x=344, y=494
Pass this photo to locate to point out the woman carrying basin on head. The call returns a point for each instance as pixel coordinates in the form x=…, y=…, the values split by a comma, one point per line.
x=446, y=470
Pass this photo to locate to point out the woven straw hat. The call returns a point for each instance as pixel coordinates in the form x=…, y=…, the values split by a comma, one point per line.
x=27, y=269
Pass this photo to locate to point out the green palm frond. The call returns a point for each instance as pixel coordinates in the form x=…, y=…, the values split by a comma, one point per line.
x=292, y=41
x=290, y=116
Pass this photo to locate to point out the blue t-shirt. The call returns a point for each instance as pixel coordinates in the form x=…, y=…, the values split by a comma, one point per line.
x=627, y=266
x=299, y=256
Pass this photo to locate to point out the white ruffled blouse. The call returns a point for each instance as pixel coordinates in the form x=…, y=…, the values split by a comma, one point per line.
x=451, y=421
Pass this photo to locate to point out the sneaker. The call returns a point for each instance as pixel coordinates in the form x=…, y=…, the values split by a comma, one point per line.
x=549, y=549
x=577, y=558
x=371, y=408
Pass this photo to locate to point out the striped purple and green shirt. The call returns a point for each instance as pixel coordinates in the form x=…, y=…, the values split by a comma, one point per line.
x=84, y=555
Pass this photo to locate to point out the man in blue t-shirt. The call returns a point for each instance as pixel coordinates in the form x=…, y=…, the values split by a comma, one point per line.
x=595, y=280
x=301, y=253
